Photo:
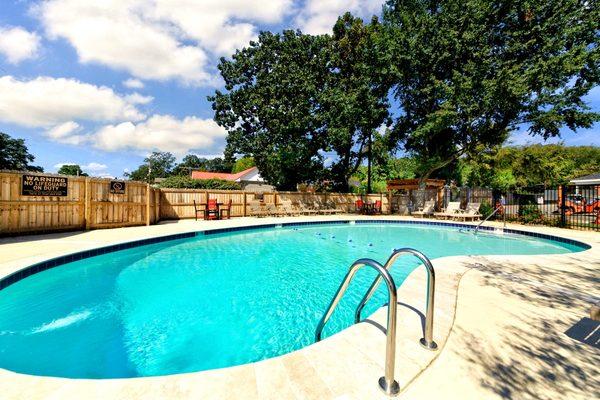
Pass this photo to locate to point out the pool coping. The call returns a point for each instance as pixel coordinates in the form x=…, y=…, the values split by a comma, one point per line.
x=131, y=385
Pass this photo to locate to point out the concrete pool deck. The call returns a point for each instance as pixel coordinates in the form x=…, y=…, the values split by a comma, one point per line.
x=507, y=327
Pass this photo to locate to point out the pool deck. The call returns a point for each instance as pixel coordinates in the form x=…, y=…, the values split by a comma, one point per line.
x=507, y=327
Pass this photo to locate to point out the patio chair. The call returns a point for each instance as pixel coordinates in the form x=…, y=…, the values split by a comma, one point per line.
x=212, y=209
x=470, y=212
x=376, y=209
x=256, y=210
x=450, y=211
x=427, y=209
x=198, y=211
x=359, y=206
x=226, y=210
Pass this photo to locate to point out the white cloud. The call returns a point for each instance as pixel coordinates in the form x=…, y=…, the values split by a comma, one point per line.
x=319, y=16
x=136, y=98
x=66, y=132
x=46, y=102
x=160, y=132
x=158, y=39
x=133, y=84
x=94, y=167
x=17, y=44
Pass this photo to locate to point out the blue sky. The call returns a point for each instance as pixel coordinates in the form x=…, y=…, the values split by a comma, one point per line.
x=103, y=83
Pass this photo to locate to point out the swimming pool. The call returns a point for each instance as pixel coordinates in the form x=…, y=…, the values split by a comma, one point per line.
x=211, y=301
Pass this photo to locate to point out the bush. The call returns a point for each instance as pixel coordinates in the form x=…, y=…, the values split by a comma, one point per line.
x=185, y=182
x=531, y=214
x=485, y=209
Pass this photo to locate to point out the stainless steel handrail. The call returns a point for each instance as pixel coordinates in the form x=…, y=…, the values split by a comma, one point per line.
x=490, y=216
x=427, y=340
x=387, y=383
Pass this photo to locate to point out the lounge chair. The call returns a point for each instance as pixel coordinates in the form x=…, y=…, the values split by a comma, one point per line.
x=256, y=210
x=288, y=208
x=305, y=210
x=452, y=210
x=470, y=212
x=273, y=210
x=322, y=209
x=427, y=209
x=334, y=208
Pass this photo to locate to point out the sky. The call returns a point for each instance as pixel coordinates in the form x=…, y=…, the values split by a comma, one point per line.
x=104, y=83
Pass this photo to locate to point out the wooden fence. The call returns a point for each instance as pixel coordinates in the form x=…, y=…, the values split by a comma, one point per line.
x=89, y=203
x=179, y=203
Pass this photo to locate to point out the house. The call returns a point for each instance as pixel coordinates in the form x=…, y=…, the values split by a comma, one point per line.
x=249, y=179
x=588, y=186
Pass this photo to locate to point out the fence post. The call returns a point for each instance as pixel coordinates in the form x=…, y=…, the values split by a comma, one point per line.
x=245, y=201
x=88, y=203
x=563, y=206
x=147, y=204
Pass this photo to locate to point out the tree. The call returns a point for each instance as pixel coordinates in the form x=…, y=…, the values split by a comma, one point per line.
x=71, y=169
x=522, y=166
x=467, y=72
x=270, y=107
x=354, y=102
x=219, y=164
x=294, y=97
x=189, y=163
x=14, y=155
x=156, y=165
x=242, y=164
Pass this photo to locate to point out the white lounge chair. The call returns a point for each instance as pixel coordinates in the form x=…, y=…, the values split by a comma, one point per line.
x=428, y=209
x=452, y=210
x=470, y=212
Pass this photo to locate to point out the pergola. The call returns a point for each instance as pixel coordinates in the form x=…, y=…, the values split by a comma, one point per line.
x=415, y=184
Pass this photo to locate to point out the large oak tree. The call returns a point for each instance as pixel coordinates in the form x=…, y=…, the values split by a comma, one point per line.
x=465, y=73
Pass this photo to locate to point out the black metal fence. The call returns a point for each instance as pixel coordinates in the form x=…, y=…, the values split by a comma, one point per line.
x=566, y=206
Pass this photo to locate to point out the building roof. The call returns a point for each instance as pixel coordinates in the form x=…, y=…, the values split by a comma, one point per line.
x=589, y=179
x=222, y=175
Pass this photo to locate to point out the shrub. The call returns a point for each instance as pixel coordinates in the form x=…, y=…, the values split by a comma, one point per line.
x=185, y=182
x=531, y=214
x=485, y=209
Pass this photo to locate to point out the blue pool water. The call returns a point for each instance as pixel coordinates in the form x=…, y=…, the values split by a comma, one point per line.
x=211, y=301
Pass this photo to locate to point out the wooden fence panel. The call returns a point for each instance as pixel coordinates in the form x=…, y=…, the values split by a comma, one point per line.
x=112, y=209
x=20, y=213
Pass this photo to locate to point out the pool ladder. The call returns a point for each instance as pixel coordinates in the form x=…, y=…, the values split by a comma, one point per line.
x=387, y=383
x=500, y=207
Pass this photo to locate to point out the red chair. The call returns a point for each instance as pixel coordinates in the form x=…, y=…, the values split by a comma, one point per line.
x=227, y=210
x=359, y=206
x=212, y=209
x=377, y=207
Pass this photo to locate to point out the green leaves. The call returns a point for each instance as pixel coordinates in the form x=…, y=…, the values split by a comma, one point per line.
x=185, y=182
x=291, y=98
x=470, y=71
x=15, y=156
